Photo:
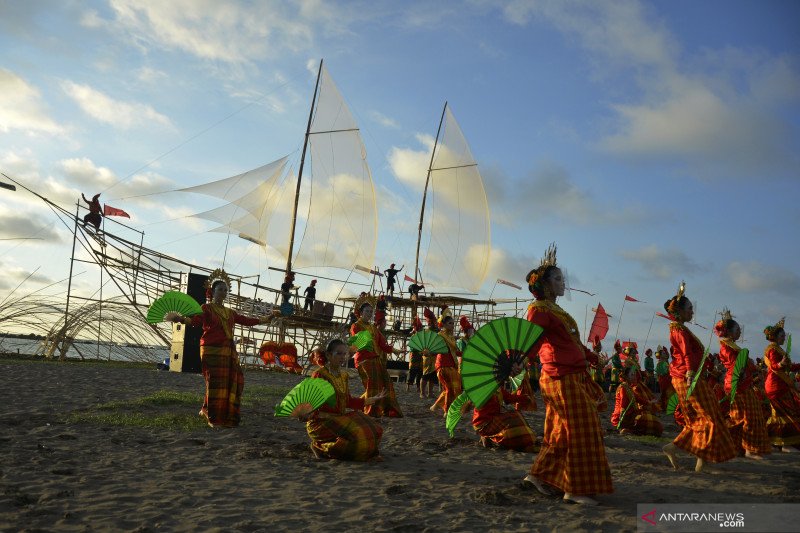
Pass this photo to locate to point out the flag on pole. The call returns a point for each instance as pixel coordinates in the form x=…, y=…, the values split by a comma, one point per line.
x=109, y=211
x=504, y=282
x=599, y=324
x=369, y=270
x=409, y=278
x=662, y=315
x=631, y=299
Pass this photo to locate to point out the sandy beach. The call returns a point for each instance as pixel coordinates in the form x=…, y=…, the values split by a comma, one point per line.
x=66, y=468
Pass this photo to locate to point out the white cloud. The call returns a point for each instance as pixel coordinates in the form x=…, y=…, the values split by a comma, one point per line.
x=15, y=224
x=22, y=108
x=717, y=114
x=754, y=276
x=661, y=263
x=410, y=166
x=124, y=115
x=383, y=120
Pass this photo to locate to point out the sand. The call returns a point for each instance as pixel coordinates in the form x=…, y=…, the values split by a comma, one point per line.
x=76, y=476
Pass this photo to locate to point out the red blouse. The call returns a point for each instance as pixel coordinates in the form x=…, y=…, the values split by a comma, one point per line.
x=728, y=352
x=447, y=360
x=777, y=382
x=493, y=407
x=343, y=398
x=217, y=322
x=378, y=339
x=560, y=350
x=687, y=350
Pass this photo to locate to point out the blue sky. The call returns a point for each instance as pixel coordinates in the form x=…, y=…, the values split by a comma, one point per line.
x=653, y=142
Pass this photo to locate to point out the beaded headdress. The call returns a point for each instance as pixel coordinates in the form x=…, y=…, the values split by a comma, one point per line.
x=362, y=300
x=770, y=332
x=218, y=274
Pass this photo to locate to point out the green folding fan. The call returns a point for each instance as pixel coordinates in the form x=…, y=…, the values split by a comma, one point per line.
x=362, y=341
x=516, y=381
x=428, y=340
x=172, y=301
x=697, y=374
x=672, y=404
x=789, y=345
x=454, y=413
x=315, y=391
x=491, y=352
x=738, y=370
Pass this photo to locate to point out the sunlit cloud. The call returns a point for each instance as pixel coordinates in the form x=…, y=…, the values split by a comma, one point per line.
x=754, y=276
x=22, y=107
x=663, y=263
x=383, y=120
x=101, y=107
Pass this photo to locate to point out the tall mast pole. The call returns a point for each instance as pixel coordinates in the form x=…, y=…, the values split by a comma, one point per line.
x=417, y=276
x=300, y=173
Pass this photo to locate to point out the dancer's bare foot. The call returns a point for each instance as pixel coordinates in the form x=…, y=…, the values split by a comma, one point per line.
x=670, y=450
x=754, y=456
x=698, y=467
x=789, y=449
x=487, y=443
x=583, y=500
x=317, y=454
x=624, y=431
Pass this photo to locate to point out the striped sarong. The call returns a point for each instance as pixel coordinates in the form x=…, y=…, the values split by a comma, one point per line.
x=748, y=426
x=375, y=378
x=353, y=436
x=509, y=430
x=783, y=425
x=705, y=434
x=450, y=381
x=596, y=392
x=572, y=457
x=224, y=385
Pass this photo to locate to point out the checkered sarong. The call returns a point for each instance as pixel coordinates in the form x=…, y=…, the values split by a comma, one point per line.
x=705, y=434
x=450, y=381
x=375, y=378
x=783, y=425
x=224, y=385
x=509, y=430
x=572, y=456
x=597, y=393
x=748, y=426
x=665, y=386
x=353, y=436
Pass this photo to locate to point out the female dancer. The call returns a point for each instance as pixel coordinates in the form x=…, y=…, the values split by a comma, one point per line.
x=749, y=429
x=371, y=364
x=705, y=434
x=633, y=411
x=499, y=426
x=572, y=457
x=447, y=368
x=783, y=425
x=221, y=370
x=336, y=433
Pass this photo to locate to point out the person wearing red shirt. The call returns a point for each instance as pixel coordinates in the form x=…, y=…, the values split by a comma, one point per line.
x=335, y=432
x=447, y=367
x=371, y=362
x=572, y=456
x=783, y=425
x=220, y=362
x=634, y=405
x=748, y=426
x=705, y=434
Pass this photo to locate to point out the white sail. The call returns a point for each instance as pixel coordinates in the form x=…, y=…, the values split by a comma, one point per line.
x=342, y=224
x=460, y=242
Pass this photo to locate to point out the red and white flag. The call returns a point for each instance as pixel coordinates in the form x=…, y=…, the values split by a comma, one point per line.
x=632, y=299
x=109, y=211
x=504, y=282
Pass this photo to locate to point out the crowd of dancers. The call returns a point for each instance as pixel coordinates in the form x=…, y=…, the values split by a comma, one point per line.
x=727, y=406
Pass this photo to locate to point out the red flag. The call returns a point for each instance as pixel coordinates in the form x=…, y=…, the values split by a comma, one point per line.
x=662, y=315
x=409, y=278
x=630, y=299
x=109, y=211
x=504, y=282
x=599, y=324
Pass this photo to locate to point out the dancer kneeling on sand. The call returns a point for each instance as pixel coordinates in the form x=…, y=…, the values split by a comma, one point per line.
x=371, y=364
x=705, y=433
x=221, y=370
x=572, y=457
x=748, y=425
x=633, y=411
x=336, y=433
x=783, y=425
x=502, y=426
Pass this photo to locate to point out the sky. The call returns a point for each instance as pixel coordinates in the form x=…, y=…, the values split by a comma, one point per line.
x=653, y=142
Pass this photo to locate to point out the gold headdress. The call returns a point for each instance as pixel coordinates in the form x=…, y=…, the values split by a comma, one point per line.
x=725, y=315
x=671, y=305
x=364, y=299
x=770, y=332
x=681, y=290
x=548, y=259
x=721, y=327
x=217, y=275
